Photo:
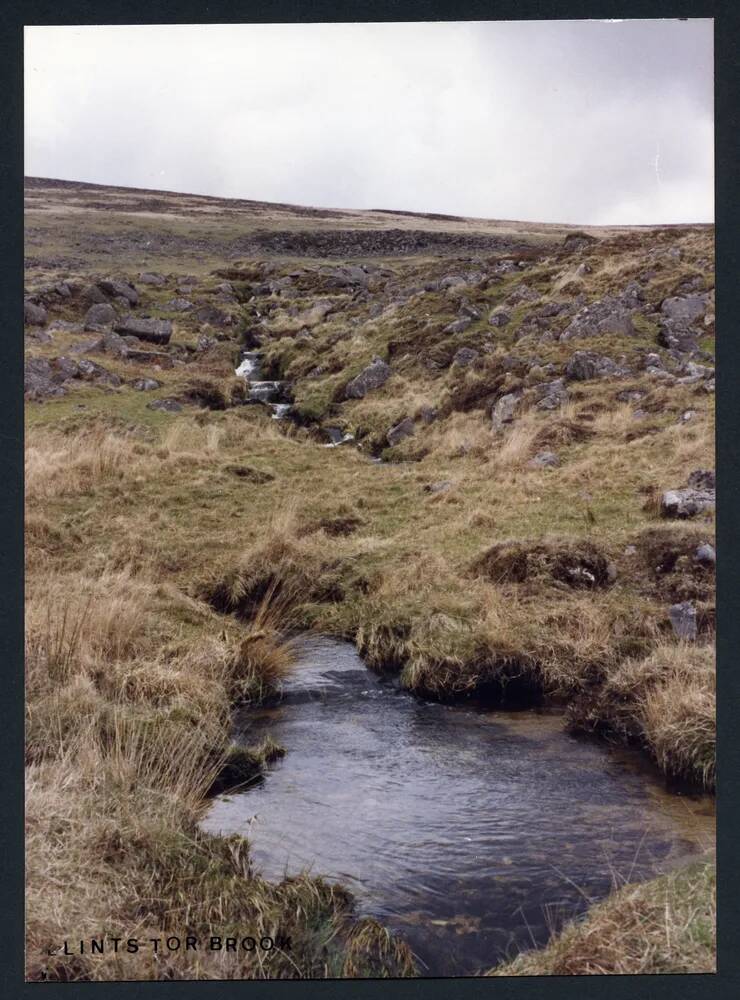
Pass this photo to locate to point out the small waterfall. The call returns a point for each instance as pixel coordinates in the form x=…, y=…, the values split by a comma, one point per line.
x=270, y=393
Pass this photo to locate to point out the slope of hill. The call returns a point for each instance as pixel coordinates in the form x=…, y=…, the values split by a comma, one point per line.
x=518, y=505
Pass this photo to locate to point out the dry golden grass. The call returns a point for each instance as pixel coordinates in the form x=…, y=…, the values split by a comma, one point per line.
x=664, y=926
x=666, y=701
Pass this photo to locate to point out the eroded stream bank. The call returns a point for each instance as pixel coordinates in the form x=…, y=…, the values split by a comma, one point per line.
x=472, y=833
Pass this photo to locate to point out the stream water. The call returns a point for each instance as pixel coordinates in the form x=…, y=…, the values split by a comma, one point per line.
x=271, y=393
x=473, y=833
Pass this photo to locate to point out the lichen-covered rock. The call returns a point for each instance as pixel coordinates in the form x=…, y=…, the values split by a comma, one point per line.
x=374, y=376
x=608, y=315
x=687, y=503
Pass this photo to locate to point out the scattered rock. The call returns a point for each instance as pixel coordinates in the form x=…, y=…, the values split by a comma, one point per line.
x=34, y=314
x=522, y=293
x=145, y=384
x=684, y=309
x=630, y=395
x=504, y=411
x=458, y=325
x=684, y=503
x=373, y=377
x=38, y=382
x=155, y=331
x=99, y=315
x=465, y=356
x=168, y=405
x=427, y=414
x=119, y=289
x=178, y=305
x=706, y=555
x=683, y=620
x=213, y=316
x=90, y=371
x=113, y=343
x=551, y=395
x=441, y=487
x=585, y=365
x=702, y=479
x=250, y=474
x=579, y=241
x=402, y=430
x=611, y=314
x=544, y=460
x=151, y=278
x=499, y=318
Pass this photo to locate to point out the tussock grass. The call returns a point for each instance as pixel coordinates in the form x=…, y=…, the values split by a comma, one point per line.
x=665, y=702
x=667, y=925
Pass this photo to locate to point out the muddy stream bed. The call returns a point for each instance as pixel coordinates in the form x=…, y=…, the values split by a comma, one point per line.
x=471, y=832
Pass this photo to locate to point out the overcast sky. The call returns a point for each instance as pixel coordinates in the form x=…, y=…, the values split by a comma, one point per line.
x=553, y=121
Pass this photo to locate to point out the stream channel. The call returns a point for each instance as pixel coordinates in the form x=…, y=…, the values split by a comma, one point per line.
x=473, y=833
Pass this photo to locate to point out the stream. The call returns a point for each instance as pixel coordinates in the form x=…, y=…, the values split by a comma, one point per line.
x=270, y=393
x=473, y=833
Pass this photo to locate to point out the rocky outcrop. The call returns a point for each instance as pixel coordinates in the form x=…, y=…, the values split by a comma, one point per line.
x=609, y=315
x=373, y=377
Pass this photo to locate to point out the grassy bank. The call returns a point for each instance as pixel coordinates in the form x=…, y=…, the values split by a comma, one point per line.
x=168, y=552
x=667, y=925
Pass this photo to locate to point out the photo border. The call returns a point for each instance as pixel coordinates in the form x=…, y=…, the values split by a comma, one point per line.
x=726, y=982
